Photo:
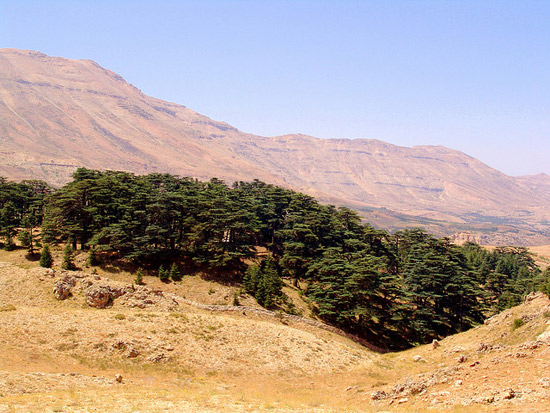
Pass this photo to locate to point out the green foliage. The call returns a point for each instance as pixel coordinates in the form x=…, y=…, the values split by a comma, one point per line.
x=92, y=260
x=21, y=206
x=393, y=290
x=443, y=292
x=68, y=263
x=174, y=273
x=518, y=322
x=236, y=301
x=139, y=277
x=164, y=275
x=264, y=283
x=46, y=259
x=506, y=274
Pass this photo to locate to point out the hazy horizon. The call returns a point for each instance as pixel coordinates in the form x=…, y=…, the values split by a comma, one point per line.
x=470, y=76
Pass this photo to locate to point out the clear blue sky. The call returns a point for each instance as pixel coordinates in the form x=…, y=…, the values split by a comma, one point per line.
x=471, y=75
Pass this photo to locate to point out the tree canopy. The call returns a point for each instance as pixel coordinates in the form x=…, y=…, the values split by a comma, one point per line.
x=392, y=289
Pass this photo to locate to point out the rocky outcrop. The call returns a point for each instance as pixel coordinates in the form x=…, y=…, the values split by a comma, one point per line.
x=102, y=295
x=62, y=288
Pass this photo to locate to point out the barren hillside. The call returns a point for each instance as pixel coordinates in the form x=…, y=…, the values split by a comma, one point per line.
x=182, y=347
x=58, y=114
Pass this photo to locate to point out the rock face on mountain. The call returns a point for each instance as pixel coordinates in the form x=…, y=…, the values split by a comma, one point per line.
x=58, y=114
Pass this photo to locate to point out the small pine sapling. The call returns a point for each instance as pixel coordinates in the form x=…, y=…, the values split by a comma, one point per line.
x=164, y=275
x=174, y=274
x=139, y=277
x=68, y=263
x=92, y=260
x=46, y=259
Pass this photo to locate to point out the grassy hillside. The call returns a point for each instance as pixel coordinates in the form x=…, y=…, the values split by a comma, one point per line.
x=173, y=354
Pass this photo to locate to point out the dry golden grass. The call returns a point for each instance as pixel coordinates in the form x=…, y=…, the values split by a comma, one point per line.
x=64, y=355
x=542, y=255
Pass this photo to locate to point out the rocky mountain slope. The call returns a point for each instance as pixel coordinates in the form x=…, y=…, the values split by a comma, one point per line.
x=58, y=114
x=79, y=341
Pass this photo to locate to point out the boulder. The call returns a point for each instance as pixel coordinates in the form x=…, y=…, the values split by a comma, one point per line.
x=98, y=296
x=62, y=288
x=102, y=295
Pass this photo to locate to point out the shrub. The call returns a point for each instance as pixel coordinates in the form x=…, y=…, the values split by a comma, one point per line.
x=174, y=273
x=68, y=263
x=46, y=259
x=139, y=277
x=164, y=275
x=518, y=322
x=236, y=301
x=92, y=260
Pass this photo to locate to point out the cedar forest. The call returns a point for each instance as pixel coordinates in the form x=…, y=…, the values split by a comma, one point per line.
x=393, y=290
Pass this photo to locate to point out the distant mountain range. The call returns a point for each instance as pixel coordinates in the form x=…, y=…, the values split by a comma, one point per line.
x=57, y=114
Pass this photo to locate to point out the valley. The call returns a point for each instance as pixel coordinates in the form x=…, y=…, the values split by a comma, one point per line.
x=60, y=355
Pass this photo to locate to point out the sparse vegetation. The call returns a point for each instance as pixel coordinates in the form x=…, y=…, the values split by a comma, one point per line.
x=164, y=274
x=174, y=273
x=518, y=322
x=68, y=263
x=139, y=277
x=92, y=260
x=46, y=259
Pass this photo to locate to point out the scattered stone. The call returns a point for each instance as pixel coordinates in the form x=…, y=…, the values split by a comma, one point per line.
x=456, y=349
x=531, y=345
x=435, y=344
x=62, y=288
x=458, y=383
x=378, y=395
x=475, y=363
x=403, y=400
x=418, y=359
x=120, y=345
x=532, y=296
x=409, y=387
x=482, y=347
x=157, y=358
x=462, y=358
x=132, y=352
x=509, y=394
x=118, y=378
x=350, y=388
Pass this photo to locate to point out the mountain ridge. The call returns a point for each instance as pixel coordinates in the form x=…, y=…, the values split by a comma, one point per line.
x=60, y=114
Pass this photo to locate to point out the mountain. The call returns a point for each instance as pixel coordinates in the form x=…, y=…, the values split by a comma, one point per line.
x=58, y=114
